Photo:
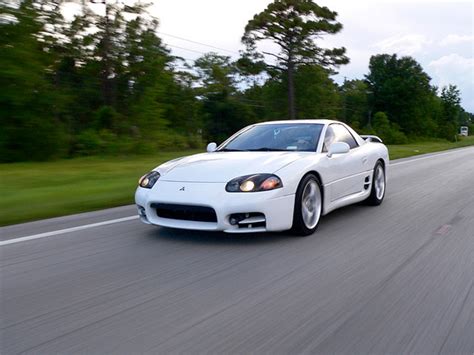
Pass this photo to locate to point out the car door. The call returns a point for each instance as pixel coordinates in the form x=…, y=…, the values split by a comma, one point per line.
x=345, y=172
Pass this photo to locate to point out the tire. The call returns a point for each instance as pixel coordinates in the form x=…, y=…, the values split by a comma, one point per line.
x=308, y=206
x=379, y=185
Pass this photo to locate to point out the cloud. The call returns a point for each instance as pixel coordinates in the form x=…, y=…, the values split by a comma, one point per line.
x=453, y=66
x=403, y=44
x=456, y=39
x=457, y=70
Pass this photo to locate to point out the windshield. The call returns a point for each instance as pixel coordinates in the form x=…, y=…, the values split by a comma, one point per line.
x=276, y=137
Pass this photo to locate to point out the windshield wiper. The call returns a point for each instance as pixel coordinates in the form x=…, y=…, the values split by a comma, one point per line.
x=230, y=150
x=266, y=149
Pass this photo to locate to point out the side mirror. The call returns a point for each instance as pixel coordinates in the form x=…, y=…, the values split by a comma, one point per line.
x=211, y=147
x=338, y=148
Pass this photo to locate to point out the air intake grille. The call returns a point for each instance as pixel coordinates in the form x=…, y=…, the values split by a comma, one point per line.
x=185, y=212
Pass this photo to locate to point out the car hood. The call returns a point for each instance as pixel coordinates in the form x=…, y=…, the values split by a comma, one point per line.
x=224, y=166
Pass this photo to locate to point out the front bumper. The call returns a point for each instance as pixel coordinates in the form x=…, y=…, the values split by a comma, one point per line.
x=275, y=205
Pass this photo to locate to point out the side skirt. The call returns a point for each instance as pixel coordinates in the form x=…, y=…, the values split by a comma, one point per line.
x=345, y=201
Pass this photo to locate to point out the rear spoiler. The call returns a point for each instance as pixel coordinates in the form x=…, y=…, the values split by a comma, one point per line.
x=371, y=138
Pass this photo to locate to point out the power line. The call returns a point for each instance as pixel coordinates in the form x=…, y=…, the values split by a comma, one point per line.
x=196, y=42
x=186, y=49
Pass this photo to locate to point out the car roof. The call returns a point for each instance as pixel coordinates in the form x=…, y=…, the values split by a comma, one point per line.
x=314, y=121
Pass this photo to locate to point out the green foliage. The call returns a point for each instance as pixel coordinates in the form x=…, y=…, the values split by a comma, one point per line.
x=215, y=73
x=451, y=111
x=471, y=129
x=355, y=109
x=88, y=143
x=98, y=85
x=389, y=132
x=222, y=109
x=106, y=118
x=400, y=88
x=30, y=126
x=316, y=93
x=317, y=96
x=224, y=115
x=273, y=98
x=293, y=25
x=107, y=85
x=448, y=130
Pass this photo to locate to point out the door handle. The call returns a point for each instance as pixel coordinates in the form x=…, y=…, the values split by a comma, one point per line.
x=364, y=160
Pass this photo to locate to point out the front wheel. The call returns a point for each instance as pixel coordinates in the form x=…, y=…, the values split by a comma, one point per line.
x=308, y=206
x=377, y=192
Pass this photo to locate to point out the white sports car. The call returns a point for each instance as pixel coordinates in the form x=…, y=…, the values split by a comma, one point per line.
x=270, y=176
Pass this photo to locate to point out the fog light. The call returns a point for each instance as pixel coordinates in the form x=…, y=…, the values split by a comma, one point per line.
x=235, y=218
x=141, y=211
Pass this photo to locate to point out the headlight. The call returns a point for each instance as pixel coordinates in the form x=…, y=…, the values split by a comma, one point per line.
x=254, y=183
x=147, y=181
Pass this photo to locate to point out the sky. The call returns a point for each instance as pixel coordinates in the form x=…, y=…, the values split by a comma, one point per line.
x=438, y=34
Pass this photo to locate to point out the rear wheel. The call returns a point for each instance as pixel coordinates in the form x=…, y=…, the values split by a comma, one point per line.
x=377, y=192
x=308, y=206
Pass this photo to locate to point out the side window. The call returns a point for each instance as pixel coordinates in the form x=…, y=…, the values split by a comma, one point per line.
x=329, y=138
x=343, y=135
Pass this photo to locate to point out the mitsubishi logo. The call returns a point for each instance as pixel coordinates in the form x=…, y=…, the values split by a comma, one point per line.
x=182, y=189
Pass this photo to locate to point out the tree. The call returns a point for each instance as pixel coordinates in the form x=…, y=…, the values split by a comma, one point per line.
x=389, y=132
x=355, y=108
x=28, y=102
x=215, y=74
x=318, y=96
x=465, y=118
x=400, y=88
x=451, y=98
x=145, y=58
x=293, y=25
x=451, y=110
x=221, y=106
x=92, y=85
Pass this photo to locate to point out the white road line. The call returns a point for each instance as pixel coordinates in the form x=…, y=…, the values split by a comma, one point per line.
x=428, y=157
x=67, y=230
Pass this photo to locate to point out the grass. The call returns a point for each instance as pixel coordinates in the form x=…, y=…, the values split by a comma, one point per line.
x=31, y=191
x=408, y=150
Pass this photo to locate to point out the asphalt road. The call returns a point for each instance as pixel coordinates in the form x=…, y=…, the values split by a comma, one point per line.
x=397, y=278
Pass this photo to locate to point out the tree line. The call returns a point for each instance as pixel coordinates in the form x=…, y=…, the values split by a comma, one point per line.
x=105, y=83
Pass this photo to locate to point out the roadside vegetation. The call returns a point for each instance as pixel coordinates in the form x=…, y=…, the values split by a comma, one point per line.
x=408, y=150
x=105, y=83
x=35, y=190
